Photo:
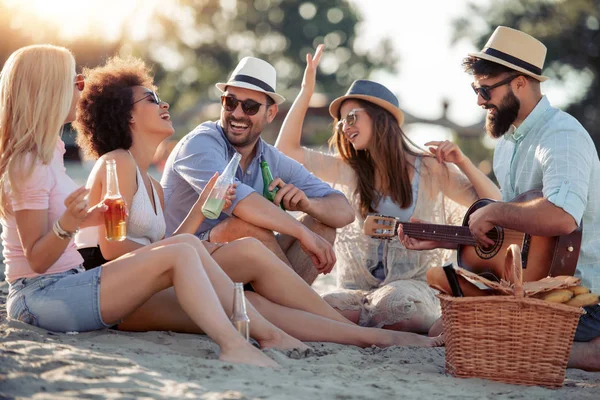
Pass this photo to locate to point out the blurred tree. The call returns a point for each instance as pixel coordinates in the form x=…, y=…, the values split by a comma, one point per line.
x=198, y=43
x=570, y=30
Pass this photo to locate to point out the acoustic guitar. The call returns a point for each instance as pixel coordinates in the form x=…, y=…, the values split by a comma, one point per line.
x=541, y=256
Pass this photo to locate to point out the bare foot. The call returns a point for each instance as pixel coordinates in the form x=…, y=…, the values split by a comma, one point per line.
x=246, y=354
x=282, y=341
x=396, y=338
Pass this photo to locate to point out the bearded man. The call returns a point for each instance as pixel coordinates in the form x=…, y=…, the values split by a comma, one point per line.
x=540, y=147
x=249, y=102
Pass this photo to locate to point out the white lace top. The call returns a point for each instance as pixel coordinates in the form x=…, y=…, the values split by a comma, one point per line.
x=443, y=195
x=144, y=226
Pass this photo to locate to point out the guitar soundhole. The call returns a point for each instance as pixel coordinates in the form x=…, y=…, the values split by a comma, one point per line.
x=497, y=235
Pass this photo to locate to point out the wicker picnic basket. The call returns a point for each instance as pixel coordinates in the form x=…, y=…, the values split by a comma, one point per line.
x=512, y=339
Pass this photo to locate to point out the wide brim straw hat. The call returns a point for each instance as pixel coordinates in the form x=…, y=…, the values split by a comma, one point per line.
x=372, y=92
x=254, y=74
x=516, y=50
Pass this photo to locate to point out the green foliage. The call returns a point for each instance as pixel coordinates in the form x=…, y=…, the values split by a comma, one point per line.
x=194, y=52
x=570, y=29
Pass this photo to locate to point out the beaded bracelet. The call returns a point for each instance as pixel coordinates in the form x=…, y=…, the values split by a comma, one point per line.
x=61, y=233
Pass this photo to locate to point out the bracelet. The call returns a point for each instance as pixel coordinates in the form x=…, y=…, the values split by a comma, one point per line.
x=61, y=233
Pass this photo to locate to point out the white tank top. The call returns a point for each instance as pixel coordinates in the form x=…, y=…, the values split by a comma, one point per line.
x=144, y=225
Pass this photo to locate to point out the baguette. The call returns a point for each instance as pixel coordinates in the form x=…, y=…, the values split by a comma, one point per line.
x=583, y=300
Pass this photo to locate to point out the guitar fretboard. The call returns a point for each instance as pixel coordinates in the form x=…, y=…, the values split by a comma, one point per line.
x=453, y=234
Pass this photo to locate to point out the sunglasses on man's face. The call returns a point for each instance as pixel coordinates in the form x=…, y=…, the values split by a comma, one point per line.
x=249, y=106
x=484, y=91
x=350, y=119
x=153, y=97
x=79, y=82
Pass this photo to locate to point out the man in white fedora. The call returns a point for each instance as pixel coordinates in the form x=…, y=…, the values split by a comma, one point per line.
x=250, y=102
x=544, y=148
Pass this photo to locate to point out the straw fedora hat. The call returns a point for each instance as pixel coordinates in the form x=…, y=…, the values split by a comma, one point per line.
x=372, y=92
x=254, y=74
x=516, y=50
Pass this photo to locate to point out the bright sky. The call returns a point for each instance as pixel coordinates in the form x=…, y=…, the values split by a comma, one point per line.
x=429, y=69
x=430, y=66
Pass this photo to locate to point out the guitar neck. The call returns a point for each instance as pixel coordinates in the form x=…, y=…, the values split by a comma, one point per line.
x=444, y=233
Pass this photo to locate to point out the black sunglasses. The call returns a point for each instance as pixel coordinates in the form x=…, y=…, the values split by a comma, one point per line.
x=484, y=91
x=249, y=106
x=155, y=98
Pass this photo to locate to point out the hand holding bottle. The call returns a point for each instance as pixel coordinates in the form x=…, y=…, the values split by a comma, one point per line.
x=289, y=196
x=229, y=195
x=216, y=198
x=78, y=215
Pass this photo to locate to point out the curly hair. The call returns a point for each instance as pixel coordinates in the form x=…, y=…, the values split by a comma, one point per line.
x=388, y=158
x=484, y=68
x=104, y=111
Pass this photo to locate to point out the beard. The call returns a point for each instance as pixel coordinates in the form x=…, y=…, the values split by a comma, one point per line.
x=241, y=140
x=506, y=114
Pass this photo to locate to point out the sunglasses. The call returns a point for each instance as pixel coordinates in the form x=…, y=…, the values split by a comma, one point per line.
x=79, y=82
x=484, y=91
x=350, y=119
x=154, y=97
x=249, y=106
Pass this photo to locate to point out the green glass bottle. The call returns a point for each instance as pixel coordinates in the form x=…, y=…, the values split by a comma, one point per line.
x=267, y=179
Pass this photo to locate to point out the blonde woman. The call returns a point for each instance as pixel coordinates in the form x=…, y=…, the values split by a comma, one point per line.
x=41, y=209
x=120, y=117
x=382, y=284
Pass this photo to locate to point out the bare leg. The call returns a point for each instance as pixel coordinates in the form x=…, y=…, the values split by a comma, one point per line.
x=261, y=329
x=300, y=262
x=249, y=261
x=351, y=315
x=585, y=355
x=310, y=327
x=234, y=228
x=131, y=280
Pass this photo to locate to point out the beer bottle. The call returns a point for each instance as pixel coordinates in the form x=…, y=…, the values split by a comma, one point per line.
x=216, y=199
x=239, y=318
x=115, y=217
x=267, y=179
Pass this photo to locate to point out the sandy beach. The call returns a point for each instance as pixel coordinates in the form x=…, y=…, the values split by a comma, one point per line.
x=35, y=363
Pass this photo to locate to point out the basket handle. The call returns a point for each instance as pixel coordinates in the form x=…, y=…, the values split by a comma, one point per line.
x=513, y=269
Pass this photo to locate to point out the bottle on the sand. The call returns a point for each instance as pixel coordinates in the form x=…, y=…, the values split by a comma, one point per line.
x=239, y=318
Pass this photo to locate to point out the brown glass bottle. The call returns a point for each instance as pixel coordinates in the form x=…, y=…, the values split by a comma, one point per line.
x=115, y=218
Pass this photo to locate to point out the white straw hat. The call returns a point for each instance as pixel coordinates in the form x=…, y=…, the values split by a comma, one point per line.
x=254, y=74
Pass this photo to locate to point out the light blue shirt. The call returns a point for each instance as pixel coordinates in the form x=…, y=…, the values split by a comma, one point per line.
x=551, y=151
x=205, y=150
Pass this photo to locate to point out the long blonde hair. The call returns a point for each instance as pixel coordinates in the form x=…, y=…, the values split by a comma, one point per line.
x=36, y=91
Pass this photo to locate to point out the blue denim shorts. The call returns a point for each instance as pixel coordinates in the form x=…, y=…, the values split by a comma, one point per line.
x=589, y=324
x=204, y=235
x=63, y=302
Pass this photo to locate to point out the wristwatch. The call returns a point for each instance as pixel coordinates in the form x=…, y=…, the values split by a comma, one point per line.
x=61, y=233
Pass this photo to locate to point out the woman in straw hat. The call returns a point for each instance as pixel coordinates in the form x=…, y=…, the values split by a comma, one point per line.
x=380, y=283
x=120, y=117
x=41, y=209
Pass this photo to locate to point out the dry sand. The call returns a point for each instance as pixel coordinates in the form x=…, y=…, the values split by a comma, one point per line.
x=35, y=363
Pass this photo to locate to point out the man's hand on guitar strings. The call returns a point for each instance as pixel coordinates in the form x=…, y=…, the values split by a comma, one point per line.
x=480, y=224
